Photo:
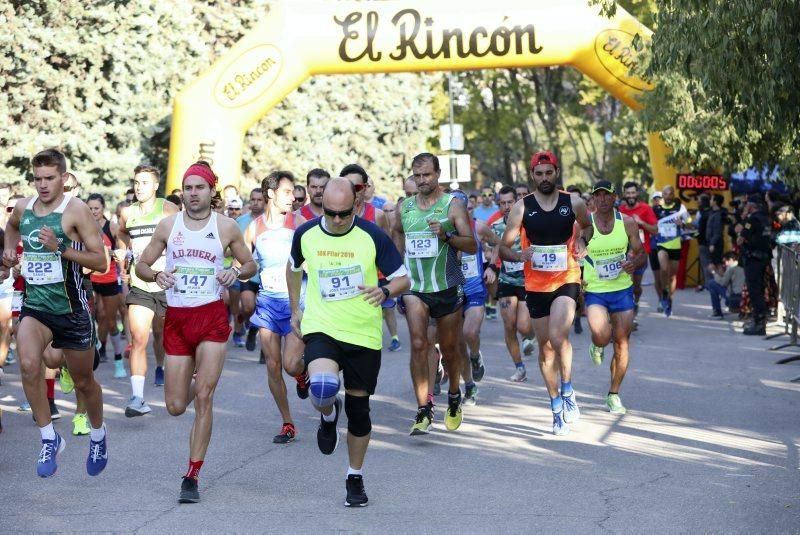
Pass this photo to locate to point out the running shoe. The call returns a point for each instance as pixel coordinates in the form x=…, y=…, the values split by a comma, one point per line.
x=422, y=422
x=119, y=369
x=453, y=416
x=327, y=434
x=250, y=344
x=80, y=424
x=660, y=307
x=528, y=346
x=159, y=379
x=136, y=407
x=302, y=385
x=46, y=466
x=65, y=381
x=25, y=407
x=189, y=492
x=11, y=358
x=54, y=414
x=395, y=346
x=491, y=313
x=103, y=354
x=127, y=353
x=356, y=497
x=668, y=307
x=238, y=340
x=560, y=427
x=615, y=405
x=471, y=396
x=98, y=455
x=576, y=323
x=286, y=435
x=478, y=368
x=520, y=375
x=596, y=354
x=571, y=411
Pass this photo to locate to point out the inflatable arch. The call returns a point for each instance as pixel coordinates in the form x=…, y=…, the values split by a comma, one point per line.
x=300, y=38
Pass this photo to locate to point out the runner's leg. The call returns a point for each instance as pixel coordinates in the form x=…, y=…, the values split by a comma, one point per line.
x=210, y=357
x=622, y=322
x=271, y=346
x=35, y=338
x=417, y=315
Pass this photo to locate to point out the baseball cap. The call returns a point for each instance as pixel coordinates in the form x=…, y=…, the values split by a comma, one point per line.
x=544, y=157
x=655, y=195
x=603, y=185
x=235, y=203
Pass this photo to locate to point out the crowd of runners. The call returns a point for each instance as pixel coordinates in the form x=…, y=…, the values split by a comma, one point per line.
x=313, y=271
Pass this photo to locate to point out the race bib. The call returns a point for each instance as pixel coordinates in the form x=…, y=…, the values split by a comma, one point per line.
x=609, y=268
x=549, y=258
x=194, y=281
x=668, y=229
x=273, y=279
x=42, y=268
x=422, y=245
x=337, y=284
x=469, y=265
x=513, y=267
x=16, y=301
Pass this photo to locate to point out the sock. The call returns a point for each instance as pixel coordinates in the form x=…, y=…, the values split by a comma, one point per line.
x=556, y=404
x=520, y=365
x=395, y=337
x=430, y=399
x=97, y=434
x=454, y=398
x=116, y=342
x=137, y=385
x=194, y=469
x=566, y=388
x=610, y=393
x=330, y=417
x=48, y=433
x=469, y=385
x=51, y=388
x=664, y=294
x=117, y=356
x=353, y=472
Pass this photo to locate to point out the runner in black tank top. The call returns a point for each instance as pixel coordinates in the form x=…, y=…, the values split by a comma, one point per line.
x=545, y=223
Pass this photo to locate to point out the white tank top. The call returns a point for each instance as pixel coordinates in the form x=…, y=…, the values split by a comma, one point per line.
x=197, y=257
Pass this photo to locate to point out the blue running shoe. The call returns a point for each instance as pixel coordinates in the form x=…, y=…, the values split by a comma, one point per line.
x=238, y=340
x=98, y=455
x=668, y=307
x=395, y=345
x=571, y=411
x=159, y=376
x=46, y=466
x=560, y=427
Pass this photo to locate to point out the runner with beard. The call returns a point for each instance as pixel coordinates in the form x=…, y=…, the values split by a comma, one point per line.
x=645, y=218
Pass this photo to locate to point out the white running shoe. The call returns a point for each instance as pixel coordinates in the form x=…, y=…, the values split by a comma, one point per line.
x=520, y=375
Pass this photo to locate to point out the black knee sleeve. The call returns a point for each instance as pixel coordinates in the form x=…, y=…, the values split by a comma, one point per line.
x=357, y=410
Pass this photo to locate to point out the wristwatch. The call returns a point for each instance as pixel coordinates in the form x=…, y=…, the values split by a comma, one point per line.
x=386, y=291
x=61, y=248
x=449, y=235
x=236, y=271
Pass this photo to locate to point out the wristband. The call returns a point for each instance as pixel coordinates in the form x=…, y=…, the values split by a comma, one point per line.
x=494, y=268
x=155, y=276
x=236, y=271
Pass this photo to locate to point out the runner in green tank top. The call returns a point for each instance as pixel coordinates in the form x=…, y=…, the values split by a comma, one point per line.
x=147, y=302
x=431, y=229
x=511, y=293
x=59, y=237
x=613, y=254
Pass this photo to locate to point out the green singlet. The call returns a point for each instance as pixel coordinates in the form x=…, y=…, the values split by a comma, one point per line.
x=605, y=256
x=510, y=272
x=52, y=283
x=141, y=228
x=433, y=265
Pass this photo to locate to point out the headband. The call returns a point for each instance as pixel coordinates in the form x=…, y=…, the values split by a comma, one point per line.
x=203, y=172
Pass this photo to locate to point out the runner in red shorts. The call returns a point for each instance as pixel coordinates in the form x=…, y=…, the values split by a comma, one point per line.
x=196, y=326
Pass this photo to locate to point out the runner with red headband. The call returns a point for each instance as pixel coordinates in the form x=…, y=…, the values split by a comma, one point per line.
x=551, y=247
x=196, y=328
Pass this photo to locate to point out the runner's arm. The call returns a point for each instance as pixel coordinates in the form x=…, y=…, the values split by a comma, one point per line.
x=638, y=258
x=93, y=255
x=240, y=251
x=155, y=248
x=582, y=219
x=123, y=238
x=11, y=239
x=463, y=240
x=398, y=234
x=511, y=234
x=382, y=220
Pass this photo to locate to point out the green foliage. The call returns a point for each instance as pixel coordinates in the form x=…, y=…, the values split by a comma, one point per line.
x=96, y=78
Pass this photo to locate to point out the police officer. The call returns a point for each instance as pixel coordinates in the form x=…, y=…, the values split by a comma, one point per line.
x=756, y=242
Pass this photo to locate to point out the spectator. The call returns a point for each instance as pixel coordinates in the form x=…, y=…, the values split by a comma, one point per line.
x=299, y=197
x=487, y=208
x=725, y=283
x=473, y=201
x=715, y=218
x=756, y=242
x=234, y=208
x=130, y=196
x=701, y=222
x=788, y=226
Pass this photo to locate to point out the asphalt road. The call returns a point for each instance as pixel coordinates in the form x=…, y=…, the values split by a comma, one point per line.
x=710, y=444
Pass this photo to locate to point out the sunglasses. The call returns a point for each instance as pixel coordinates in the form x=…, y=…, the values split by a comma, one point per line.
x=342, y=214
x=487, y=194
x=299, y=199
x=359, y=187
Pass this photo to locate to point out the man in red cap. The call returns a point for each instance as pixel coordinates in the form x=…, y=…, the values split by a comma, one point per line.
x=545, y=223
x=196, y=328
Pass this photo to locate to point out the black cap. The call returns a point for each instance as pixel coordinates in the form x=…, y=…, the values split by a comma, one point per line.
x=755, y=198
x=604, y=185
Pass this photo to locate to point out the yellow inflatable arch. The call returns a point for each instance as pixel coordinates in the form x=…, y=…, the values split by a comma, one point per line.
x=300, y=38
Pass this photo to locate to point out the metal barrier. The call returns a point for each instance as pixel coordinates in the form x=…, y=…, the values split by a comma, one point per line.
x=789, y=293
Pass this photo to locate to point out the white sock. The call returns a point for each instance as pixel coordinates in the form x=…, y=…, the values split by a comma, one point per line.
x=116, y=341
x=137, y=385
x=97, y=434
x=353, y=472
x=48, y=433
x=330, y=417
